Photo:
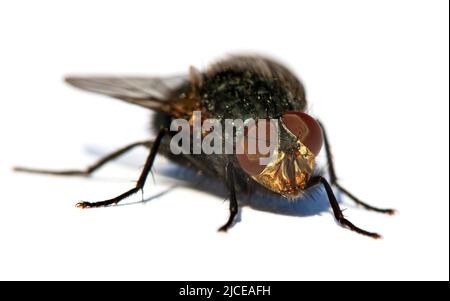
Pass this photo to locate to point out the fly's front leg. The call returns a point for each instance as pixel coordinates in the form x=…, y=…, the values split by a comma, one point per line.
x=234, y=207
x=142, y=178
x=334, y=180
x=90, y=169
x=337, y=210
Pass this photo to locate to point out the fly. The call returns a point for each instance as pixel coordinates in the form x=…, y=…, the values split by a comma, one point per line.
x=235, y=88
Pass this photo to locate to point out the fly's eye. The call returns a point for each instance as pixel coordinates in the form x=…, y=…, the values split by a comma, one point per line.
x=255, y=146
x=306, y=128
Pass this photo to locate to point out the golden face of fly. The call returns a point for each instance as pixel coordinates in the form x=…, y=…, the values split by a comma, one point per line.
x=292, y=163
x=289, y=174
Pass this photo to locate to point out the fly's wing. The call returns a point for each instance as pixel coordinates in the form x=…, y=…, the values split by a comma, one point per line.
x=148, y=92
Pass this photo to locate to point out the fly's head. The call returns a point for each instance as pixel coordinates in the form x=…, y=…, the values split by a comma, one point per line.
x=287, y=159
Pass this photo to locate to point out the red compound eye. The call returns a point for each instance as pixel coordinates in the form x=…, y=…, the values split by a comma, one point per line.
x=249, y=156
x=306, y=128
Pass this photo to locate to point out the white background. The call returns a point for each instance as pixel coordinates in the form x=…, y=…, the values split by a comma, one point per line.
x=376, y=73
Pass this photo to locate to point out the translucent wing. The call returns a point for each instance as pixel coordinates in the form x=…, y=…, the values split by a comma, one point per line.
x=149, y=92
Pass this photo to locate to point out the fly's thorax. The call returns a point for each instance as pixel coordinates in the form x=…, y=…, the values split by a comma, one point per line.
x=241, y=94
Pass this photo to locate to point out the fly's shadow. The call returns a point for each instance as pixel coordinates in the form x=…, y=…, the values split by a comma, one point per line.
x=312, y=202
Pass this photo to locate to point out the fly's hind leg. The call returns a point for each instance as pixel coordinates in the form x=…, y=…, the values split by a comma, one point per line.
x=90, y=169
x=141, y=181
x=334, y=181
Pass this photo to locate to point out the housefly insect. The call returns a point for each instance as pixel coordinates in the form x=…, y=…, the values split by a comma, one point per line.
x=237, y=87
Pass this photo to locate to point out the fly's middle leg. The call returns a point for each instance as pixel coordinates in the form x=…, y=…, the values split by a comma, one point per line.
x=141, y=181
x=334, y=180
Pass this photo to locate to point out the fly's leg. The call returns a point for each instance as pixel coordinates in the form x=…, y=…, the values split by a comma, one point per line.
x=141, y=181
x=337, y=210
x=334, y=180
x=233, y=200
x=90, y=169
